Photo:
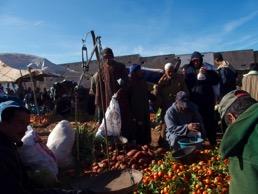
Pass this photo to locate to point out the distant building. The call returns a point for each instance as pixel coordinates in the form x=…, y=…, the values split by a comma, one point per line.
x=240, y=59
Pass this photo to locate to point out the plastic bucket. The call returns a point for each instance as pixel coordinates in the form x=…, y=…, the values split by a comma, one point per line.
x=191, y=141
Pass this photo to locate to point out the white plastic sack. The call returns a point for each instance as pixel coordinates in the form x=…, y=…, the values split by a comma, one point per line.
x=113, y=120
x=60, y=142
x=36, y=155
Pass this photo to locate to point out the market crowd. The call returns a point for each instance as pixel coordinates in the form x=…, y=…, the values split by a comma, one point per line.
x=188, y=102
x=184, y=98
x=25, y=95
x=191, y=102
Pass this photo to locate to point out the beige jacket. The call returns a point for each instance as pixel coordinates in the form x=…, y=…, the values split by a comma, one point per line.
x=250, y=83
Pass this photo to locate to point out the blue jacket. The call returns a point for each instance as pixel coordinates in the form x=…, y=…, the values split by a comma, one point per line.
x=176, y=123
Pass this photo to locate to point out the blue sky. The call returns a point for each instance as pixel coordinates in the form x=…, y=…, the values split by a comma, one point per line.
x=54, y=28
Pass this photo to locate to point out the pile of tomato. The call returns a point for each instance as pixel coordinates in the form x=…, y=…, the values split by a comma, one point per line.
x=39, y=120
x=205, y=173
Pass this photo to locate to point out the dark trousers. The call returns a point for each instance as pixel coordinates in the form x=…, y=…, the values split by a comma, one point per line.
x=142, y=133
x=210, y=125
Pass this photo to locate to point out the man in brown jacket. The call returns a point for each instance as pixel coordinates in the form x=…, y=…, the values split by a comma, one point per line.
x=110, y=72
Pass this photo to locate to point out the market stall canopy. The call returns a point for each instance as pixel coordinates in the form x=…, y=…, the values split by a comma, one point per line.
x=9, y=74
x=38, y=75
x=14, y=66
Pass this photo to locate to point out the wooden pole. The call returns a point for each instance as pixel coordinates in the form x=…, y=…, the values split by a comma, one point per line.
x=33, y=90
x=100, y=62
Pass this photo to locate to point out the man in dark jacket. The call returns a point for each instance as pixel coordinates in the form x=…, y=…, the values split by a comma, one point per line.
x=122, y=97
x=14, y=120
x=227, y=74
x=139, y=103
x=239, y=143
x=201, y=80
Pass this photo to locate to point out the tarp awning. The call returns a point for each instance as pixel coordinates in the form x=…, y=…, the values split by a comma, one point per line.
x=14, y=67
x=9, y=74
x=37, y=75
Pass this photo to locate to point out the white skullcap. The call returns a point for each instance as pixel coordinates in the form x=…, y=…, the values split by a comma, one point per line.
x=168, y=66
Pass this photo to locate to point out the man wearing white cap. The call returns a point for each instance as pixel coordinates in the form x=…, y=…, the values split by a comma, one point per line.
x=168, y=86
x=166, y=89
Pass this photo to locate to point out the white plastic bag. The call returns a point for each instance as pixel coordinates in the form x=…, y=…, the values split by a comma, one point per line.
x=36, y=155
x=113, y=120
x=60, y=142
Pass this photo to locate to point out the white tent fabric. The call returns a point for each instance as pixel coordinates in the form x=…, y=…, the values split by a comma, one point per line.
x=14, y=66
x=9, y=74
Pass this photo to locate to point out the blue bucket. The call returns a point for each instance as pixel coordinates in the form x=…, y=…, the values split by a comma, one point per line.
x=190, y=141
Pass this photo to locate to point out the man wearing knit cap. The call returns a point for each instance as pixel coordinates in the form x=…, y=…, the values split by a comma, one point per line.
x=110, y=72
x=201, y=79
x=135, y=69
x=169, y=84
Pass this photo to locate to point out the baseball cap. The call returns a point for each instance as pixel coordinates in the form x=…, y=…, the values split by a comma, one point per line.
x=229, y=99
x=10, y=104
x=182, y=99
x=181, y=96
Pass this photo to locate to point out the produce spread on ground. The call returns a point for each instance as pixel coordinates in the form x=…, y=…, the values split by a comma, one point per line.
x=201, y=172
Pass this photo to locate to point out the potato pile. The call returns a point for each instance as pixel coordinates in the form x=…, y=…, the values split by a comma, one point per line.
x=136, y=158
